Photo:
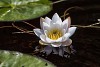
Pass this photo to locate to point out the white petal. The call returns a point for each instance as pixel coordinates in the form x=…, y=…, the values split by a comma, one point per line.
x=66, y=37
x=41, y=22
x=59, y=40
x=65, y=24
x=71, y=30
x=55, y=18
x=69, y=21
x=45, y=32
x=45, y=26
x=56, y=44
x=38, y=32
x=56, y=26
x=47, y=20
x=63, y=31
x=43, y=38
x=48, y=40
x=67, y=42
x=59, y=23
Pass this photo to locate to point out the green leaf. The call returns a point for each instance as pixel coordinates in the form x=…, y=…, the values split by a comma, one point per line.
x=15, y=10
x=16, y=59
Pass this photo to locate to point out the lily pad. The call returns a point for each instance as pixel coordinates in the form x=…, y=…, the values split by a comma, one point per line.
x=17, y=59
x=14, y=10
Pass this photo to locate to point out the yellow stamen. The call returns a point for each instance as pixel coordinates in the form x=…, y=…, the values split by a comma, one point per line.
x=54, y=34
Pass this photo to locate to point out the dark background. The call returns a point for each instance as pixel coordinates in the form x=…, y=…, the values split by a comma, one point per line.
x=85, y=40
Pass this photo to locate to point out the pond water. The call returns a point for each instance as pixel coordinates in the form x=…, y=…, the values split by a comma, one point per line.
x=86, y=41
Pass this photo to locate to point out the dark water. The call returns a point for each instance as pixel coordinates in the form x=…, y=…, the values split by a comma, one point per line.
x=86, y=41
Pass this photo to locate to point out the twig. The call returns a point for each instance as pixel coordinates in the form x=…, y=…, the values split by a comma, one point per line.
x=58, y=1
x=17, y=27
x=66, y=11
x=29, y=24
x=6, y=26
x=23, y=31
x=85, y=26
x=94, y=24
x=88, y=26
x=64, y=15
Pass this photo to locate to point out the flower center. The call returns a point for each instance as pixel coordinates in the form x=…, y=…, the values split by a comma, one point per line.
x=54, y=34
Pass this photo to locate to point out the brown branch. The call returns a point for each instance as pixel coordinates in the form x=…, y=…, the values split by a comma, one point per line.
x=29, y=24
x=23, y=31
x=17, y=27
x=66, y=11
x=85, y=26
x=64, y=15
x=6, y=26
x=58, y=1
x=30, y=32
x=94, y=24
x=88, y=26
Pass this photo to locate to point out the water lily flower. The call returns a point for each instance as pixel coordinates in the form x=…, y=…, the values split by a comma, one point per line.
x=55, y=32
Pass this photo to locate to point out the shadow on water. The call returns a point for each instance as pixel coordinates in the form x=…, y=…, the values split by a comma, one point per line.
x=85, y=40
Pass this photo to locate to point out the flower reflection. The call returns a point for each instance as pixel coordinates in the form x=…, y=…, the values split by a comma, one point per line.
x=55, y=33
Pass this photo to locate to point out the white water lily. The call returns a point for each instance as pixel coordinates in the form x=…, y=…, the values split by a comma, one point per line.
x=55, y=32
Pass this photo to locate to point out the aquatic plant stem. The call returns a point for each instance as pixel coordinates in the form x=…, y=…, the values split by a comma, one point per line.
x=66, y=11
x=94, y=24
x=23, y=31
x=58, y=1
x=29, y=24
x=6, y=26
x=86, y=26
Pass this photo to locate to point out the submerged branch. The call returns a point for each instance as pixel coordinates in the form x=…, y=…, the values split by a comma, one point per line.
x=85, y=26
x=6, y=26
x=29, y=24
x=31, y=32
x=58, y=1
x=82, y=26
x=66, y=11
x=94, y=24
x=23, y=30
x=17, y=27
